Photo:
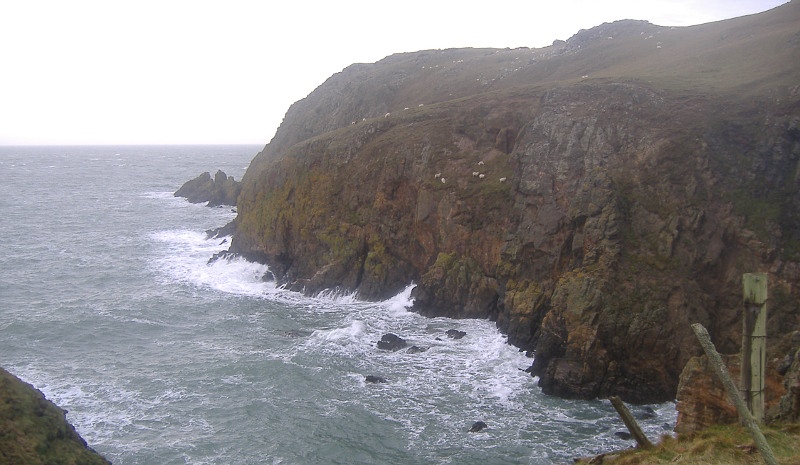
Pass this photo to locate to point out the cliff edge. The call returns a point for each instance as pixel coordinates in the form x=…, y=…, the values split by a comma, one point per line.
x=34, y=431
x=594, y=198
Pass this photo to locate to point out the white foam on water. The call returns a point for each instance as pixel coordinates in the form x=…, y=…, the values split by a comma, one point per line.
x=352, y=332
x=187, y=261
x=435, y=395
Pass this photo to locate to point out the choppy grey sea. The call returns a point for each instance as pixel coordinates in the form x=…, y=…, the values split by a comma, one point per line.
x=108, y=306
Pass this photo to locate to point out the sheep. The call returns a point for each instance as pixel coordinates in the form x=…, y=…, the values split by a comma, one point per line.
x=437, y=175
x=481, y=163
x=502, y=179
x=421, y=105
x=443, y=181
x=386, y=115
x=481, y=176
x=475, y=173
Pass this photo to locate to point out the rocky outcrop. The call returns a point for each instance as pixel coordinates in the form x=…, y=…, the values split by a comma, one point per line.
x=789, y=406
x=391, y=342
x=703, y=401
x=35, y=431
x=221, y=190
x=593, y=198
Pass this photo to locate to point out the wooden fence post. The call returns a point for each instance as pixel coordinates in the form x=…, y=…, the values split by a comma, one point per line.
x=754, y=342
x=631, y=423
x=722, y=372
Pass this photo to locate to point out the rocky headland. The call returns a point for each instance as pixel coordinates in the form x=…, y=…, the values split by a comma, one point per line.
x=217, y=191
x=35, y=431
x=594, y=197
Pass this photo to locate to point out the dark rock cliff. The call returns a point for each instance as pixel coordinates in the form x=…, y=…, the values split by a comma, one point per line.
x=217, y=191
x=594, y=197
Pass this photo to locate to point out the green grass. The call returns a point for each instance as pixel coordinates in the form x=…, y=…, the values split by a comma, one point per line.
x=719, y=445
x=33, y=431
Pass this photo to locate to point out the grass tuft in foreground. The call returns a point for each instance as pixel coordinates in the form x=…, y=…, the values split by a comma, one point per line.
x=719, y=445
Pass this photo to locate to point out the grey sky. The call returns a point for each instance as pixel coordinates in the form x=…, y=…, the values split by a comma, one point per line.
x=199, y=71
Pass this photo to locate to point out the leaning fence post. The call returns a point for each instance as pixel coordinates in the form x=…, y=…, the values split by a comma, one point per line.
x=631, y=423
x=754, y=342
x=733, y=393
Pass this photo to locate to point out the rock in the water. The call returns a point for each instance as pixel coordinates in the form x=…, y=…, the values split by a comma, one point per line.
x=477, y=426
x=624, y=435
x=223, y=231
x=222, y=190
x=455, y=334
x=391, y=342
x=416, y=349
x=374, y=379
x=647, y=413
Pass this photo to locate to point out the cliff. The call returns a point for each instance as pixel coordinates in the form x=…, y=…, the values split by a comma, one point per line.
x=593, y=198
x=34, y=431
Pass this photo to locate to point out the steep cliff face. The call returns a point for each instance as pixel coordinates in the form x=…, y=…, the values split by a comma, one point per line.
x=594, y=197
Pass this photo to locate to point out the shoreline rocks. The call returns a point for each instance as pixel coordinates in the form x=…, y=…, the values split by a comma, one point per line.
x=391, y=342
x=219, y=191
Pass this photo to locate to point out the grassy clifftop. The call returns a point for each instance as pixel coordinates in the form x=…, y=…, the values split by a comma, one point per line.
x=35, y=431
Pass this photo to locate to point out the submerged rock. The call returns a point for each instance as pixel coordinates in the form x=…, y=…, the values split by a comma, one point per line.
x=477, y=426
x=624, y=435
x=455, y=334
x=391, y=342
x=416, y=349
x=374, y=379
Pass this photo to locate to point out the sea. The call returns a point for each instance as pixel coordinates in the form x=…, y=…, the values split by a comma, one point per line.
x=110, y=307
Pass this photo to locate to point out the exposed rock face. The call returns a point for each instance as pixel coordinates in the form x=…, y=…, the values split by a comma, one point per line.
x=789, y=407
x=703, y=401
x=34, y=431
x=594, y=197
x=221, y=190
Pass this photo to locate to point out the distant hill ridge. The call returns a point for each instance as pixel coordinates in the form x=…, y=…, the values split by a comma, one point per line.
x=594, y=197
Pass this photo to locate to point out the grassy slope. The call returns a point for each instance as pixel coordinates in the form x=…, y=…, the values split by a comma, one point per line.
x=722, y=445
x=34, y=431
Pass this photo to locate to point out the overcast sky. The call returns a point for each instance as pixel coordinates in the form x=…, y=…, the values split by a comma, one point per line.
x=200, y=72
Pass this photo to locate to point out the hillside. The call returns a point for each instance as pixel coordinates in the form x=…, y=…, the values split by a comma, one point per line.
x=594, y=197
x=34, y=431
